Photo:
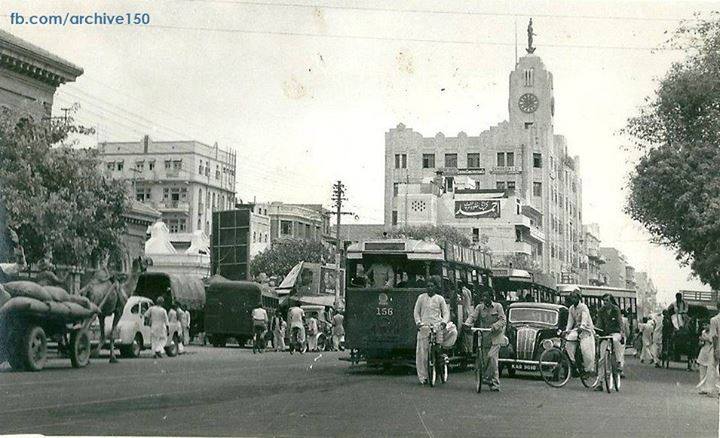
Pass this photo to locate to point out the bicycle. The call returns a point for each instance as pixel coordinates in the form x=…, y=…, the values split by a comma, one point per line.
x=479, y=357
x=556, y=366
x=295, y=343
x=611, y=367
x=258, y=339
x=435, y=358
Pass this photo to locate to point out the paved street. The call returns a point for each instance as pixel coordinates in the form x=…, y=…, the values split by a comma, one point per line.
x=230, y=391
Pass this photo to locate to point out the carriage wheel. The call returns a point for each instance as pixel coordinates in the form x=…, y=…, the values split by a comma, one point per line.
x=33, y=349
x=80, y=348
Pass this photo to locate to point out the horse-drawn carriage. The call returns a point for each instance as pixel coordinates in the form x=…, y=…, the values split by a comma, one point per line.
x=684, y=330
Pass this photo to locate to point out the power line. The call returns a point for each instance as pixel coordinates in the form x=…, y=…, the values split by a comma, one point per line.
x=434, y=11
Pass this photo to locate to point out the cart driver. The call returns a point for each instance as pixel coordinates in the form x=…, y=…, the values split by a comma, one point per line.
x=490, y=314
x=430, y=309
x=580, y=326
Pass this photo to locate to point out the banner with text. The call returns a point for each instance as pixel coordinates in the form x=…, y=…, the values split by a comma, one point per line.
x=477, y=209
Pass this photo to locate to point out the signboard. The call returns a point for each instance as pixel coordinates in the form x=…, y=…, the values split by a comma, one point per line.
x=477, y=209
x=506, y=170
x=451, y=171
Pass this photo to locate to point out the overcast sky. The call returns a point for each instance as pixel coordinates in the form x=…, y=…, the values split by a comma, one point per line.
x=305, y=93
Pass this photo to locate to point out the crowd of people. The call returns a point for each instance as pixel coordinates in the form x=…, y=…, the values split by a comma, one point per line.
x=160, y=320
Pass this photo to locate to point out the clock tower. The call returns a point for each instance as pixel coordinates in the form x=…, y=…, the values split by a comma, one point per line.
x=531, y=102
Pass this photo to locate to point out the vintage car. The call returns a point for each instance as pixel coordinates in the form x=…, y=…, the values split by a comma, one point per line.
x=528, y=325
x=132, y=334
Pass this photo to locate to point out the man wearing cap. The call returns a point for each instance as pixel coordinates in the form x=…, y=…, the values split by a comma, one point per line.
x=490, y=314
x=430, y=310
x=580, y=326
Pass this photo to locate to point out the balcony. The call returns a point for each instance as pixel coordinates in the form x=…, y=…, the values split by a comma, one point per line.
x=173, y=207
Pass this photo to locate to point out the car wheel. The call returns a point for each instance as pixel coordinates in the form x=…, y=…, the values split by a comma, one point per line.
x=511, y=371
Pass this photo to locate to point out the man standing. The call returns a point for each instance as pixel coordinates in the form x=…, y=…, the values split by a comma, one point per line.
x=647, y=327
x=430, y=310
x=338, y=330
x=185, y=324
x=715, y=333
x=158, y=326
x=278, y=333
x=490, y=314
x=260, y=320
x=610, y=323
x=580, y=326
x=312, y=331
x=657, y=339
x=678, y=312
x=296, y=317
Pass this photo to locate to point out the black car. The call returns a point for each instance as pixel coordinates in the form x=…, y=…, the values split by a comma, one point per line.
x=528, y=325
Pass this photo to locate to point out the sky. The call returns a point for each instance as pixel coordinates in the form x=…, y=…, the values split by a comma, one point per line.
x=304, y=92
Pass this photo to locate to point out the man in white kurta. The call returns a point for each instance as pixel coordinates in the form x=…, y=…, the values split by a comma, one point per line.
x=158, y=326
x=580, y=326
x=430, y=310
x=647, y=327
x=312, y=331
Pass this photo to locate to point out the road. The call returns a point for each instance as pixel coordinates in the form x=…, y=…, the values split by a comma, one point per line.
x=230, y=391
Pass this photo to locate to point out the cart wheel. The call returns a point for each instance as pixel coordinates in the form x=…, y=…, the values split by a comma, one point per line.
x=33, y=349
x=80, y=348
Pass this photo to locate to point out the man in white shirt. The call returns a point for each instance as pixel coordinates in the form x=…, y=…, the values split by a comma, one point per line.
x=580, y=326
x=312, y=332
x=296, y=317
x=430, y=310
x=260, y=320
x=158, y=326
x=490, y=314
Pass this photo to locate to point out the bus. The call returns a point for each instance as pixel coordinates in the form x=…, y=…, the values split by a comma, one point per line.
x=513, y=285
x=626, y=299
x=384, y=279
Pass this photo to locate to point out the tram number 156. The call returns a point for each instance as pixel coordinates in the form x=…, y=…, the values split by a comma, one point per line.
x=384, y=311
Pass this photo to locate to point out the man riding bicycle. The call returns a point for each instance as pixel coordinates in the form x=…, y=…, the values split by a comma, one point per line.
x=260, y=320
x=296, y=319
x=610, y=324
x=430, y=310
x=490, y=314
x=580, y=326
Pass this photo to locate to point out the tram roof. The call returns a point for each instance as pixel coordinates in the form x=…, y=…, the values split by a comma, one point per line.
x=596, y=291
x=414, y=249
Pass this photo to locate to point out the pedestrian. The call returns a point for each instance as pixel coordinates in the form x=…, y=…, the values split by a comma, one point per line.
x=490, y=314
x=158, y=326
x=430, y=310
x=278, y=333
x=648, y=351
x=296, y=318
x=338, y=330
x=678, y=312
x=715, y=333
x=185, y=324
x=580, y=327
x=180, y=317
x=668, y=330
x=312, y=332
x=708, y=365
x=260, y=320
x=610, y=323
x=657, y=338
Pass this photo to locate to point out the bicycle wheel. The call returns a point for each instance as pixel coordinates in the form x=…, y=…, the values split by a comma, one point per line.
x=555, y=367
x=606, y=372
x=479, y=370
x=615, y=374
x=432, y=372
x=592, y=381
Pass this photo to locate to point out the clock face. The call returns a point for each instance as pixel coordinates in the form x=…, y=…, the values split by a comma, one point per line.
x=528, y=103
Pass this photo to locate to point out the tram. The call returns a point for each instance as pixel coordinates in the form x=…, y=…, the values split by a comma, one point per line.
x=384, y=279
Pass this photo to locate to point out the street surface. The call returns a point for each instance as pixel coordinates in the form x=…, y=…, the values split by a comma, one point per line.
x=230, y=391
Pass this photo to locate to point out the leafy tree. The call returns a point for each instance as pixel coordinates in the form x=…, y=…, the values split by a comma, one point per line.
x=55, y=194
x=674, y=189
x=280, y=258
x=441, y=234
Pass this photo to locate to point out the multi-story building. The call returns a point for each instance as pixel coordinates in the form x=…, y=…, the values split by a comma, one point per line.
x=630, y=282
x=591, y=245
x=259, y=234
x=298, y=221
x=185, y=180
x=30, y=75
x=613, y=271
x=521, y=156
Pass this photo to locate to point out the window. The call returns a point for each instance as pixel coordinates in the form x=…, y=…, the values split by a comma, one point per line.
x=394, y=217
x=500, y=185
x=395, y=189
x=168, y=164
x=510, y=159
x=537, y=188
x=140, y=165
x=528, y=125
x=501, y=159
x=175, y=225
x=111, y=166
x=307, y=231
x=476, y=235
x=511, y=186
x=217, y=172
x=177, y=164
x=428, y=161
x=449, y=184
x=286, y=228
x=401, y=161
x=142, y=194
x=200, y=168
x=151, y=165
x=529, y=77
x=120, y=165
x=450, y=160
x=537, y=160
x=254, y=236
x=473, y=161
x=135, y=309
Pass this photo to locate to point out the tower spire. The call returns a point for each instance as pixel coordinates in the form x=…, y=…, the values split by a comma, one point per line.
x=530, y=49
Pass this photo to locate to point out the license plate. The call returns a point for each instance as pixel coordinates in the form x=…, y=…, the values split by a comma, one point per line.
x=524, y=367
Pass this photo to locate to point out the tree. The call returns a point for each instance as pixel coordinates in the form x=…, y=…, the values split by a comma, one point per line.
x=441, y=234
x=280, y=258
x=54, y=194
x=674, y=189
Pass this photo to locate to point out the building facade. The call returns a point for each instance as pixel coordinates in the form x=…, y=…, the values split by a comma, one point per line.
x=259, y=235
x=298, y=221
x=594, y=260
x=630, y=281
x=521, y=156
x=30, y=75
x=613, y=271
x=646, y=294
x=185, y=180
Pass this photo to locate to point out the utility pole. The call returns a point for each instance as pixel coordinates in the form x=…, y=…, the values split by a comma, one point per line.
x=338, y=196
